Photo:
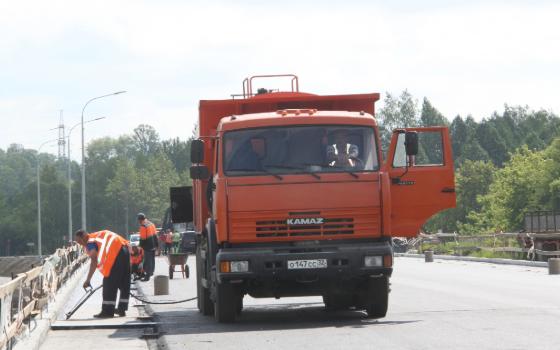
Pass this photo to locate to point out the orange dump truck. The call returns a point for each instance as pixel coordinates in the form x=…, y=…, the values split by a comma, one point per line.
x=291, y=197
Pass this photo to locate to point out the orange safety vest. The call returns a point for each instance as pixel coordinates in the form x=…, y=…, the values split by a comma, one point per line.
x=109, y=245
x=147, y=229
x=136, y=259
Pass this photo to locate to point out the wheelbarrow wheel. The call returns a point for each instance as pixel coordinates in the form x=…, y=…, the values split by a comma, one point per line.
x=187, y=271
x=171, y=272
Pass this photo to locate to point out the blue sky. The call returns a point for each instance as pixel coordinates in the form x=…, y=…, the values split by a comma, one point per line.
x=467, y=58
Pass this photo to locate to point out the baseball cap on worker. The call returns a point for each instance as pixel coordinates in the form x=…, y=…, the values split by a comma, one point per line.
x=141, y=216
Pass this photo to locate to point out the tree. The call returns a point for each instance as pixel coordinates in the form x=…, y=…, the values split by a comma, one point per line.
x=473, y=180
x=431, y=116
x=401, y=112
x=178, y=152
x=146, y=139
x=458, y=133
x=518, y=187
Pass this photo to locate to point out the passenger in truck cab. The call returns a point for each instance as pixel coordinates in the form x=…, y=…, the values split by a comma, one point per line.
x=342, y=154
x=245, y=158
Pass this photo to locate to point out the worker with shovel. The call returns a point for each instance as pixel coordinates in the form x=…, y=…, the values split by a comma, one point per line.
x=109, y=253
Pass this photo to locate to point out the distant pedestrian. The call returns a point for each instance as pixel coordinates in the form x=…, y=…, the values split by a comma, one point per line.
x=176, y=241
x=168, y=242
x=148, y=242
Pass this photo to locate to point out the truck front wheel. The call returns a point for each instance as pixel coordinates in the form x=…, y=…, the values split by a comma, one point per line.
x=377, y=299
x=226, y=305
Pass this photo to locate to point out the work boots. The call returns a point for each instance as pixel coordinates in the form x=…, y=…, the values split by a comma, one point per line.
x=103, y=314
x=121, y=313
x=146, y=278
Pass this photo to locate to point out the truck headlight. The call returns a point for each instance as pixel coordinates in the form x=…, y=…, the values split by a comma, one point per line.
x=234, y=266
x=373, y=261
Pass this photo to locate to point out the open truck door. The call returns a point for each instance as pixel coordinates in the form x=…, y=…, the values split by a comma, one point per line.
x=181, y=204
x=420, y=167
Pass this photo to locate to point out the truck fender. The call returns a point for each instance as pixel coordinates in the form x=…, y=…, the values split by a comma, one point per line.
x=212, y=241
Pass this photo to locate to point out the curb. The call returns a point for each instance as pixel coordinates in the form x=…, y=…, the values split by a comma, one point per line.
x=34, y=340
x=480, y=260
x=160, y=342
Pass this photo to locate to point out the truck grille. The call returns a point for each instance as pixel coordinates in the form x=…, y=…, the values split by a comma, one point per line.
x=275, y=225
x=335, y=226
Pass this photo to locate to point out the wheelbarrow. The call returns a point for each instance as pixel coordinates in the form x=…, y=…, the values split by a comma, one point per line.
x=180, y=259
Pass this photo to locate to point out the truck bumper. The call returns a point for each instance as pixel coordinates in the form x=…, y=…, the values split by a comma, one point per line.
x=269, y=273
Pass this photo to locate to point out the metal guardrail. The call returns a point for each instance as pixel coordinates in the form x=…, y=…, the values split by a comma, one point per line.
x=525, y=242
x=27, y=294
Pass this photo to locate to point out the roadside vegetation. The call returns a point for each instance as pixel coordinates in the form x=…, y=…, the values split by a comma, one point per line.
x=506, y=164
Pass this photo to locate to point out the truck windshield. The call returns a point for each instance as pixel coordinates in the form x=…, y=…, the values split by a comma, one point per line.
x=300, y=149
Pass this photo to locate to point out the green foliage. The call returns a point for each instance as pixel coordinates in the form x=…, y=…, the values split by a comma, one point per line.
x=398, y=112
x=124, y=176
x=506, y=164
x=502, y=167
x=523, y=184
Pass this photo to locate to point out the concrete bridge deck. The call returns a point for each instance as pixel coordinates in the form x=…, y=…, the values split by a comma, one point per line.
x=445, y=304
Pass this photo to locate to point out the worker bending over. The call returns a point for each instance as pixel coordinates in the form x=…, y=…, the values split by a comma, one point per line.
x=148, y=242
x=109, y=253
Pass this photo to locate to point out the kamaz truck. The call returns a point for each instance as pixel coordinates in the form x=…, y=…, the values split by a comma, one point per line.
x=292, y=196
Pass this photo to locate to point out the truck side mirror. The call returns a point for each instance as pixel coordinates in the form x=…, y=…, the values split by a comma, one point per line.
x=197, y=151
x=411, y=143
x=199, y=172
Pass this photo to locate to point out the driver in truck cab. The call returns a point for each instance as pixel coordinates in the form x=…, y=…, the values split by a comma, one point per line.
x=342, y=153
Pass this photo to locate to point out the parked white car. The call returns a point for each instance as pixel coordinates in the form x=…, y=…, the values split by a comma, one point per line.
x=135, y=240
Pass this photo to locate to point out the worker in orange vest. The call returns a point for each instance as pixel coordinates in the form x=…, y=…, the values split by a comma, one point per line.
x=148, y=242
x=108, y=253
x=136, y=257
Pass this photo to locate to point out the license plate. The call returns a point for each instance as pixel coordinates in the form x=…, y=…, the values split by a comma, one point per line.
x=307, y=264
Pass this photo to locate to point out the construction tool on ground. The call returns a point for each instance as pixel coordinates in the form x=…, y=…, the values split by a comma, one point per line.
x=89, y=292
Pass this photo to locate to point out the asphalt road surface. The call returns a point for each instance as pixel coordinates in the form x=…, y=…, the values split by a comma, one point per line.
x=440, y=305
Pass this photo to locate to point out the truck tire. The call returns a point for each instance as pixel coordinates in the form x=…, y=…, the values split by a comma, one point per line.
x=377, y=299
x=227, y=304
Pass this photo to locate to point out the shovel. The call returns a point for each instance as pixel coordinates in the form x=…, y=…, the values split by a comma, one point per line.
x=89, y=292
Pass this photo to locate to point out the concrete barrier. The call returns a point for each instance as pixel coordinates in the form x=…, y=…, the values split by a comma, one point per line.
x=429, y=256
x=475, y=259
x=161, y=285
x=554, y=266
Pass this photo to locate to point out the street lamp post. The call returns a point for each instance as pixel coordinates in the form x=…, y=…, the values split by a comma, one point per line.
x=84, y=157
x=39, y=228
x=69, y=171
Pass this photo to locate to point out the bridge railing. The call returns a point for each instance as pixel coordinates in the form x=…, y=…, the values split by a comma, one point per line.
x=527, y=245
x=28, y=293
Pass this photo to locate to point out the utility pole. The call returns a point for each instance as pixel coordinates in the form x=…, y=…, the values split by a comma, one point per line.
x=84, y=212
x=61, y=138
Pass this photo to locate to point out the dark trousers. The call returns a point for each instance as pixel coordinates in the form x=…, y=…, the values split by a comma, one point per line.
x=149, y=261
x=118, y=280
x=168, y=247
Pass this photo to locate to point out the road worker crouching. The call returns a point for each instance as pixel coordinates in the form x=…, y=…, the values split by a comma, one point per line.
x=136, y=258
x=109, y=253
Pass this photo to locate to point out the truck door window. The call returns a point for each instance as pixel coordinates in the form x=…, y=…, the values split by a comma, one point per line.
x=430, y=150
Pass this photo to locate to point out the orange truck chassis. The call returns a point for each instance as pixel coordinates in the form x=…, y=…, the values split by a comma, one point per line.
x=291, y=197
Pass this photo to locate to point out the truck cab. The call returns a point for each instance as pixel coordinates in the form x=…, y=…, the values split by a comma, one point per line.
x=291, y=197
